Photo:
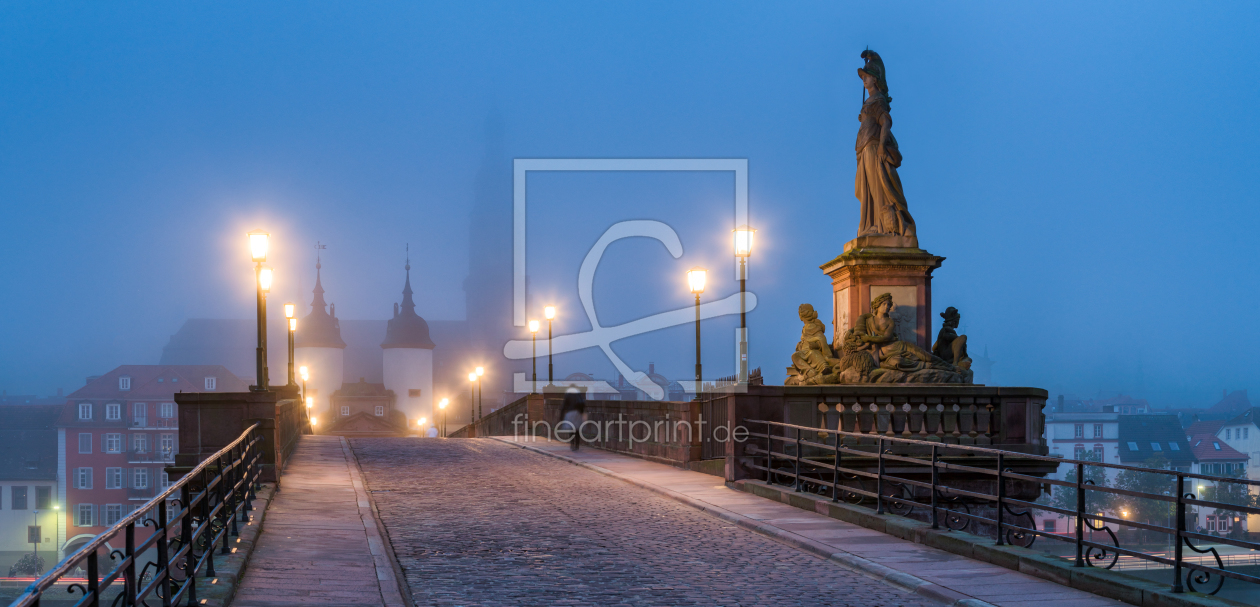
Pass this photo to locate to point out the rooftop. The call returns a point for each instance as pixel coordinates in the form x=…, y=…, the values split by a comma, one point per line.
x=1145, y=436
x=28, y=443
x=1207, y=447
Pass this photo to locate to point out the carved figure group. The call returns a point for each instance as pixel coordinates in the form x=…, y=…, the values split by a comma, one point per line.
x=871, y=352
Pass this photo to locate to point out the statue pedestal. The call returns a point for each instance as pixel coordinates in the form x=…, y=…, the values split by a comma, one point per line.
x=873, y=265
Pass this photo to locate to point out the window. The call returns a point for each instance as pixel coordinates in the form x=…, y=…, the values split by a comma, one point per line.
x=380, y=410
x=85, y=443
x=1227, y=430
x=43, y=498
x=211, y=382
x=1246, y=432
x=1098, y=452
x=168, y=445
x=85, y=410
x=1211, y=523
x=139, y=413
x=1098, y=431
x=140, y=443
x=1155, y=447
x=113, y=412
x=345, y=410
x=1078, y=431
x=19, y=498
x=83, y=515
x=1174, y=447
x=113, y=514
x=113, y=478
x=33, y=533
x=1048, y=525
x=1078, y=452
x=83, y=479
x=1216, y=445
x=167, y=410
x=124, y=383
x=140, y=478
x=164, y=481
x=1133, y=446
x=113, y=443
x=413, y=392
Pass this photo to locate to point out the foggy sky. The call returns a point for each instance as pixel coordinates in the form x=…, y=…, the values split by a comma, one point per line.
x=1088, y=171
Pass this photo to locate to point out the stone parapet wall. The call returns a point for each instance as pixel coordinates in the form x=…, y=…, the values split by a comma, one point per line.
x=210, y=421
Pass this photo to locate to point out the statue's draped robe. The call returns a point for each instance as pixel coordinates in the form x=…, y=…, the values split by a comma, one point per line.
x=878, y=187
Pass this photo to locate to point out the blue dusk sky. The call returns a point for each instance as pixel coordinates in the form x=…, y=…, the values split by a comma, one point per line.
x=1089, y=171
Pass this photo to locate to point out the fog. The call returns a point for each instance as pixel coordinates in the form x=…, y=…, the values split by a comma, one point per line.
x=1088, y=172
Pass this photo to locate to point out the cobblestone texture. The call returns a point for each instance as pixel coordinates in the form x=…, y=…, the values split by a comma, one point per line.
x=476, y=522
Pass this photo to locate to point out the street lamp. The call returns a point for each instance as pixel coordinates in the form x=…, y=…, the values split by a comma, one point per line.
x=258, y=254
x=305, y=374
x=533, y=336
x=743, y=249
x=695, y=280
x=480, y=371
x=442, y=407
x=472, y=397
x=290, y=312
x=550, y=313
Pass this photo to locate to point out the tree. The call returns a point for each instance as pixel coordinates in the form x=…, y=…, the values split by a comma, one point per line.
x=30, y=564
x=1095, y=501
x=1146, y=510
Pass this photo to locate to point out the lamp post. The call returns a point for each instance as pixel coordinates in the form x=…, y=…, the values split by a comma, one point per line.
x=442, y=407
x=695, y=280
x=480, y=371
x=550, y=313
x=264, y=282
x=472, y=398
x=533, y=336
x=38, y=532
x=289, y=312
x=258, y=254
x=57, y=531
x=743, y=249
x=305, y=374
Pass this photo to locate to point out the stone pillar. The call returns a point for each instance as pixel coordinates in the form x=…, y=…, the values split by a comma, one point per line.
x=209, y=421
x=864, y=271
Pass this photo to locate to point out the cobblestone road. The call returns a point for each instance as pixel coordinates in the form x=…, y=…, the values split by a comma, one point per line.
x=477, y=522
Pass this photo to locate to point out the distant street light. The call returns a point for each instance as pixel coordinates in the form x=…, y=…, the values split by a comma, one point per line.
x=743, y=249
x=258, y=254
x=695, y=279
x=305, y=374
x=314, y=422
x=289, y=313
x=442, y=407
x=480, y=371
x=533, y=336
x=550, y=313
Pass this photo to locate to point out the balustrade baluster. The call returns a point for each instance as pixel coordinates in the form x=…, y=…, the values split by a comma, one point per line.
x=905, y=421
x=954, y=415
x=935, y=414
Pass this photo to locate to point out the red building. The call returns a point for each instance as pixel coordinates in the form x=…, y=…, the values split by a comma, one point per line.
x=117, y=434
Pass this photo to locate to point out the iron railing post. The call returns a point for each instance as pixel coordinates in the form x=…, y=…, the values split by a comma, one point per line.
x=835, y=472
x=225, y=500
x=1080, y=513
x=186, y=540
x=879, y=479
x=769, y=458
x=1179, y=529
x=162, y=576
x=797, y=458
x=93, y=580
x=130, y=583
x=207, y=530
x=936, y=481
x=1001, y=497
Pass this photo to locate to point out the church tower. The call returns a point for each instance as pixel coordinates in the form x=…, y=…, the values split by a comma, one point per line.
x=408, y=358
x=319, y=347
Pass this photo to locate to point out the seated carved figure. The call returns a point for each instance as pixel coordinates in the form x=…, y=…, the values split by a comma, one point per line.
x=899, y=361
x=950, y=346
x=813, y=361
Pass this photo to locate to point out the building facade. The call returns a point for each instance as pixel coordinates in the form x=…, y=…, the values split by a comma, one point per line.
x=115, y=437
x=407, y=359
x=29, y=499
x=318, y=346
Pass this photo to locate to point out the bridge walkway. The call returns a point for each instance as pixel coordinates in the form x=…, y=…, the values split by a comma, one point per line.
x=957, y=577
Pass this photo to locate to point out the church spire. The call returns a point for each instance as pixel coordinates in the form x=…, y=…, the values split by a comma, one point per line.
x=408, y=305
x=406, y=329
x=318, y=301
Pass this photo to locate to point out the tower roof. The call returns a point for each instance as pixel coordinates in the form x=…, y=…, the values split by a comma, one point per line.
x=320, y=328
x=406, y=329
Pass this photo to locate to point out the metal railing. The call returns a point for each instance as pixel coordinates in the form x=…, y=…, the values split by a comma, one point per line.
x=204, y=508
x=791, y=466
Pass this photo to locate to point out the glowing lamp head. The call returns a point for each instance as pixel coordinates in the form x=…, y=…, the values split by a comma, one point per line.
x=290, y=310
x=481, y=371
x=695, y=279
x=310, y=402
x=442, y=404
x=56, y=506
x=472, y=377
x=258, y=245
x=743, y=241
x=549, y=312
x=314, y=421
x=304, y=372
x=292, y=325
x=422, y=420
x=533, y=326
x=264, y=279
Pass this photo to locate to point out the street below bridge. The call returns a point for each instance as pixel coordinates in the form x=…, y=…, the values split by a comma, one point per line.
x=481, y=522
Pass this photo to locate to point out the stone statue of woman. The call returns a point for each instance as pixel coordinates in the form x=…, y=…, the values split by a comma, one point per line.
x=878, y=187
